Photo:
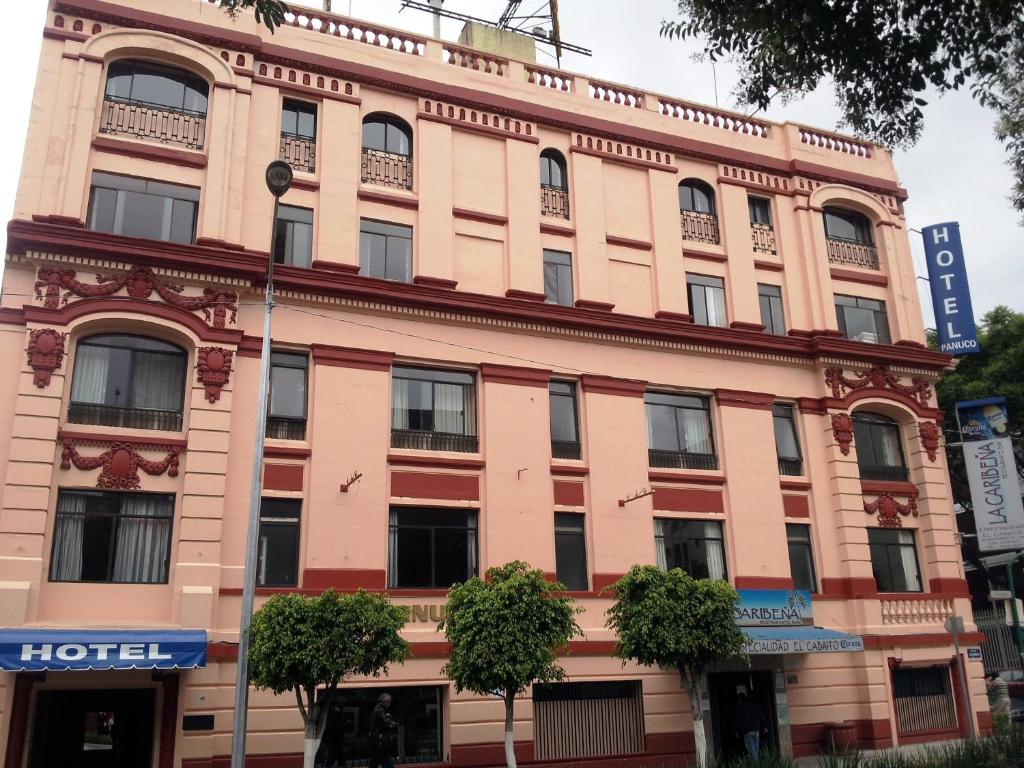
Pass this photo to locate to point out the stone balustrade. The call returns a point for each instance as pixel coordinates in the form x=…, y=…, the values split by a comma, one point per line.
x=902, y=612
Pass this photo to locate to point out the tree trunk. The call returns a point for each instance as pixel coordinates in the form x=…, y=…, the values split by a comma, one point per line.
x=510, y=752
x=691, y=680
x=310, y=742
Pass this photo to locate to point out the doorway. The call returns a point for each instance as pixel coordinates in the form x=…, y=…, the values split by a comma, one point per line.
x=724, y=689
x=93, y=729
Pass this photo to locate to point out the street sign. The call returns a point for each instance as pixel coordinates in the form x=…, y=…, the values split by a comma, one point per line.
x=951, y=295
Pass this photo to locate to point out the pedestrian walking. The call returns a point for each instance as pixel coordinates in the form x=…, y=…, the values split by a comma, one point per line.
x=750, y=724
x=382, y=726
x=998, y=694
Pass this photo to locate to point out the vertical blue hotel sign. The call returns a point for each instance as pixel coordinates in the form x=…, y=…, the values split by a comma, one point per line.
x=951, y=296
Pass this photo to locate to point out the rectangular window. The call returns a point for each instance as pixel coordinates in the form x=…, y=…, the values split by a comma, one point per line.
x=103, y=536
x=696, y=546
x=787, y=443
x=433, y=410
x=565, y=437
x=298, y=118
x=770, y=299
x=894, y=560
x=924, y=700
x=571, y=551
x=418, y=711
x=801, y=558
x=293, y=236
x=862, y=319
x=431, y=548
x=760, y=210
x=707, y=300
x=558, y=278
x=385, y=250
x=278, y=549
x=679, y=431
x=123, y=205
x=588, y=719
x=286, y=417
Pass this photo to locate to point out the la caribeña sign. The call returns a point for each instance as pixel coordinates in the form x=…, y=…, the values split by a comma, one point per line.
x=774, y=607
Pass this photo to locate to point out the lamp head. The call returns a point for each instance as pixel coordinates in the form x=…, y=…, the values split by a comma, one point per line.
x=279, y=177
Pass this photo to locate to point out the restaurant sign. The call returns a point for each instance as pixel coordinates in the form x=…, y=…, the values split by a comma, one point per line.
x=773, y=607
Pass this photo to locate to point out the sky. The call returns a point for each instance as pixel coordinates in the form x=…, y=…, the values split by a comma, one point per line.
x=956, y=172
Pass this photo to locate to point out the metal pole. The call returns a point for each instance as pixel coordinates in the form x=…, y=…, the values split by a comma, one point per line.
x=238, y=728
x=1018, y=636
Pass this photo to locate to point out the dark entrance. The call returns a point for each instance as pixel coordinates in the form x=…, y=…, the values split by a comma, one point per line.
x=93, y=729
x=724, y=689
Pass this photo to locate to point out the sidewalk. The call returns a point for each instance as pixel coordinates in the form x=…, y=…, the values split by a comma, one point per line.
x=815, y=761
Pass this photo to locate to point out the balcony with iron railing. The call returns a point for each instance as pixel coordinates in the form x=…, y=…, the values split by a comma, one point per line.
x=129, y=418
x=763, y=237
x=298, y=151
x=791, y=467
x=699, y=227
x=851, y=254
x=681, y=460
x=124, y=117
x=884, y=474
x=561, y=449
x=386, y=169
x=281, y=428
x=422, y=440
x=554, y=201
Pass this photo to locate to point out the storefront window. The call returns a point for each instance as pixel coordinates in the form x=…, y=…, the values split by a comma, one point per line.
x=418, y=738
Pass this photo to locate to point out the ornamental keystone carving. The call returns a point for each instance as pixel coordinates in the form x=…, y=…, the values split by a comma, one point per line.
x=140, y=283
x=842, y=430
x=889, y=510
x=121, y=463
x=213, y=370
x=878, y=377
x=45, y=354
x=929, y=431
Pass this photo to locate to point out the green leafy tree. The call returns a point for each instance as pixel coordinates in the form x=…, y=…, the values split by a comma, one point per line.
x=505, y=633
x=881, y=56
x=268, y=12
x=673, y=621
x=305, y=644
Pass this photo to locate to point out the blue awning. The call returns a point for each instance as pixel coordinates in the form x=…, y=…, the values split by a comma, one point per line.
x=777, y=640
x=36, y=650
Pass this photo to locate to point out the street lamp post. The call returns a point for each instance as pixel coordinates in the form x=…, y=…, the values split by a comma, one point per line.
x=279, y=179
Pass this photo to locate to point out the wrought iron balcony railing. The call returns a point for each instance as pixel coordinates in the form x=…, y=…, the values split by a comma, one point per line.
x=387, y=169
x=433, y=441
x=699, y=227
x=561, y=449
x=791, y=467
x=280, y=428
x=851, y=254
x=153, y=121
x=889, y=474
x=554, y=201
x=763, y=236
x=130, y=418
x=681, y=460
x=298, y=151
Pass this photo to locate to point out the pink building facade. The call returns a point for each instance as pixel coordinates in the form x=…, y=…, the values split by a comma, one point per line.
x=521, y=314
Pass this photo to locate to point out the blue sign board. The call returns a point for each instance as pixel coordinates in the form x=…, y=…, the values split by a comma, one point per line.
x=773, y=607
x=951, y=296
x=36, y=650
x=982, y=419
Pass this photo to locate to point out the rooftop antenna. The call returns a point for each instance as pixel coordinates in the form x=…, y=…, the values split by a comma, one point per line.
x=511, y=20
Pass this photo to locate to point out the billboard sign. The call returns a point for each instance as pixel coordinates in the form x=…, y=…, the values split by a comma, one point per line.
x=774, y=607
x=951, y=295
x=992, y=473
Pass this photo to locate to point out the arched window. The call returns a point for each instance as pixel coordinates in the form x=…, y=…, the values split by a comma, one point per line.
x=155, y=101
x=387, y=151
x=848, y=226
x=128, y=381
x=697, y=211
x=552, y=170
x=554, y=184
x=879, y=448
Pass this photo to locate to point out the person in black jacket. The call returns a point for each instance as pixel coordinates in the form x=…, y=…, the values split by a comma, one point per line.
x=750, y=724
x=382, y=725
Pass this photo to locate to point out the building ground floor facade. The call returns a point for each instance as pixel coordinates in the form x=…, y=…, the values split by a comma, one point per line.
x=70, y=704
